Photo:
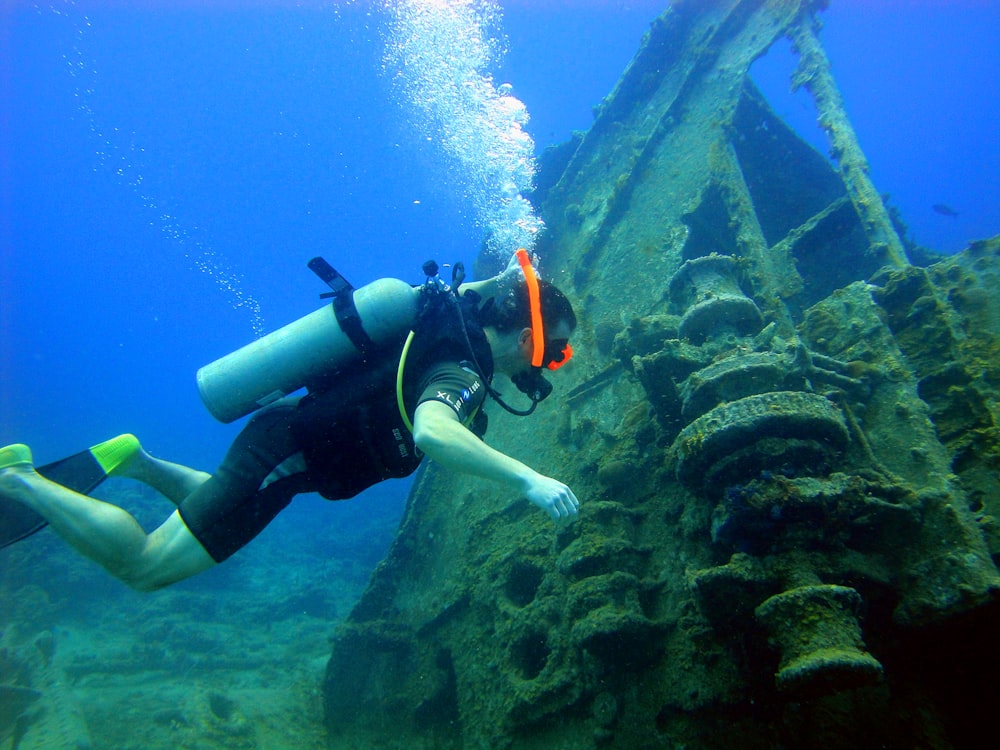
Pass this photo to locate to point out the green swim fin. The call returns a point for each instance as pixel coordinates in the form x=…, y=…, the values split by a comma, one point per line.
x=81, y=472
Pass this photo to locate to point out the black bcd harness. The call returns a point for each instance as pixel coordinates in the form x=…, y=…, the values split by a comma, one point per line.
x=464, y=308
x=439, y=302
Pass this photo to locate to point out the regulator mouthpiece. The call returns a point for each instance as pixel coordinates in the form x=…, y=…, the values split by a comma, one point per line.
x=533, y=385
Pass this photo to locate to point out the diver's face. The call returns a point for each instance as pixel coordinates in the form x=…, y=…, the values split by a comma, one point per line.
x=556, y=339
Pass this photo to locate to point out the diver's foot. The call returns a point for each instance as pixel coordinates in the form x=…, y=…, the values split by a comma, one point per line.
x=117, y=455
x=15, y=465
x=16, y=455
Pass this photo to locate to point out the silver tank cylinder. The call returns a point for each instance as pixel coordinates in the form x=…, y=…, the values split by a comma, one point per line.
x=303, y=351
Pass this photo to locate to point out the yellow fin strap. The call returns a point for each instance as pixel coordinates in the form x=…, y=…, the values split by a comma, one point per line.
x=111, y=454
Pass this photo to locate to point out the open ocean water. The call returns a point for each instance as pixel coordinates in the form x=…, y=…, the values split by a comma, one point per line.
x=169, y=167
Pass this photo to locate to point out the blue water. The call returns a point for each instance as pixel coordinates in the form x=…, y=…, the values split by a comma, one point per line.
x=169, y=169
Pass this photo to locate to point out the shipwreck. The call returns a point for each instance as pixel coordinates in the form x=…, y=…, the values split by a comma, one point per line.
x=782, y=423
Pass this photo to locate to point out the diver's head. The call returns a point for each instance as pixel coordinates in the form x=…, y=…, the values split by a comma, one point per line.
x=516, y=326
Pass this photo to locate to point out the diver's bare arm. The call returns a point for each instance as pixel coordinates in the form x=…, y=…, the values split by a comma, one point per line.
x=438, y=433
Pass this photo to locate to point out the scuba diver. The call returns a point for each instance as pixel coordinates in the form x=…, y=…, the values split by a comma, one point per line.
x=370, y=419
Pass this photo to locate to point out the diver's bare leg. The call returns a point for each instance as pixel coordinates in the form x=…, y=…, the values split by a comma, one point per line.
x=109, y=535
x=173, y=481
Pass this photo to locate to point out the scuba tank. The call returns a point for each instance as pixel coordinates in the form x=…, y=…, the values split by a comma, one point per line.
x=356, y=323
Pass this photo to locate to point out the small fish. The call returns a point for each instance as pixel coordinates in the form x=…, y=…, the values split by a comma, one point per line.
x=944, y=209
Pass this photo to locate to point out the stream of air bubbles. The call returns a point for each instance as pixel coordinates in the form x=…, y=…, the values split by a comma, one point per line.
x=120, y=153
x=439, y=53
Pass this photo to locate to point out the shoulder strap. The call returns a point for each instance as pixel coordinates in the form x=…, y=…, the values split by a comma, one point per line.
x=350, y=321
x=343, y=305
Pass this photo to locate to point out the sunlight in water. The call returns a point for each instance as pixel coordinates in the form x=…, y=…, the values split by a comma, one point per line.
x=439, y=53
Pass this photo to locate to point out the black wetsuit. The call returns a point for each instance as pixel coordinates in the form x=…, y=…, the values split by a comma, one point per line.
x=341, y=438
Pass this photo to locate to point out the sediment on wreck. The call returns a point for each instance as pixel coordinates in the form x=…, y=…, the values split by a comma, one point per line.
x=784, y=436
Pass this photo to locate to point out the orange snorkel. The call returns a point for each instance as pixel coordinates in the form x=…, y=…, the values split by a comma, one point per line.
x=538, y=358
x=535, y=303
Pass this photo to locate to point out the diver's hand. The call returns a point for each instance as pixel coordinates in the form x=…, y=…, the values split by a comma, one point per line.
x=513, y=267
x=499, y=286
x=552, y=496
x=508, y=279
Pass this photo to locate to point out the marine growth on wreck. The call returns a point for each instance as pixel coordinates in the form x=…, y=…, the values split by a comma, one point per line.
x=782, y=419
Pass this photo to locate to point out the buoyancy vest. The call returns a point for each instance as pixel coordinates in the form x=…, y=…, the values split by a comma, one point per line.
x=349, y=427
